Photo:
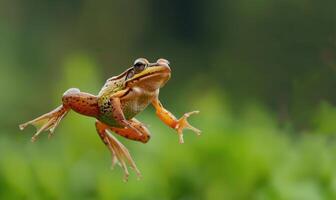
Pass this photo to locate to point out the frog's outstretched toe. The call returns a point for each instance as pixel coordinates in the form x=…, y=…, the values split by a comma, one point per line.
x=182, y=123
x=119, y=153
x=46, y=122
x=121, y=156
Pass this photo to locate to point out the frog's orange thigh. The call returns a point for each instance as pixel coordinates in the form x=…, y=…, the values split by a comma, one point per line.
x=81, y=102
x=132, y=134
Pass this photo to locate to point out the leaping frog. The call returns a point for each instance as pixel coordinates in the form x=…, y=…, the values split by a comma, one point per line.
x=118, y=102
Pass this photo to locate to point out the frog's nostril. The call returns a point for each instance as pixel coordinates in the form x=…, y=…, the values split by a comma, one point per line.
x=168, y=68
x=163, y=61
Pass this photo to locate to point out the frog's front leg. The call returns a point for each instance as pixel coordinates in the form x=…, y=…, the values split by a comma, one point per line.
x=170, y=120
x=83, y=103
x=119, y=117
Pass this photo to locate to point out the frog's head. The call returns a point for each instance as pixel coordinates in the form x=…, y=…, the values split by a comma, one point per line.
x=147, y=75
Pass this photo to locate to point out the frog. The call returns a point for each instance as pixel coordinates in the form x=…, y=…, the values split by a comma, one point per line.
x=114, y=108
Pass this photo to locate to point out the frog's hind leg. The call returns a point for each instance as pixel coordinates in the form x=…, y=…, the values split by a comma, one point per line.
x=119, y=152
x=131, y=134
x=80, y=102
x=47, y=122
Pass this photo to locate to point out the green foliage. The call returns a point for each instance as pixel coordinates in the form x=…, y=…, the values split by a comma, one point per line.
x=262, y=74
x=238, y=156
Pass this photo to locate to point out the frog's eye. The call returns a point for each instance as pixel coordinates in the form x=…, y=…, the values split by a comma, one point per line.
x=139, y=66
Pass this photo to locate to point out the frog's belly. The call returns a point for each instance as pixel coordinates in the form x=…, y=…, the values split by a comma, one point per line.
x=135, y=106
x=108, y=120
x=129, y=107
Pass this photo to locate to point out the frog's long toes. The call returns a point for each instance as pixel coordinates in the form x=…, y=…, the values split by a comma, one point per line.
x=23, y=126
x=195, y=130
x=114, y=161
x=121, y=156
x=181, y=140
x=50, y=135
x=186, y=115
x=184, y=124
x=46, y=122
x=137, y=171
x=139, y=176
x=33, y=139
x=126, y=177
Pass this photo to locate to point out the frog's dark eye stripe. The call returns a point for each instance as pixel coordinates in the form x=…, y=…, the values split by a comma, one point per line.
x=130, y=74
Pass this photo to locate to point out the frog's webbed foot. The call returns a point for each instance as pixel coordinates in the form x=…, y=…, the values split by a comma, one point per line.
x=120, y=154
x=182, y=123
x=47, y=122
x=177, y=124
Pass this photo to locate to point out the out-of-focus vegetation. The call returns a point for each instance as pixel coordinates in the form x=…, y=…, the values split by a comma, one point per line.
x=262, y=74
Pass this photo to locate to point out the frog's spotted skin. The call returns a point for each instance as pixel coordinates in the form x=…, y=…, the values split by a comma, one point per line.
x=81, y=102
x=121, y=98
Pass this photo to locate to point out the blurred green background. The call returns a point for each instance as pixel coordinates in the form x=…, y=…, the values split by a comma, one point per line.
x=262, y=73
